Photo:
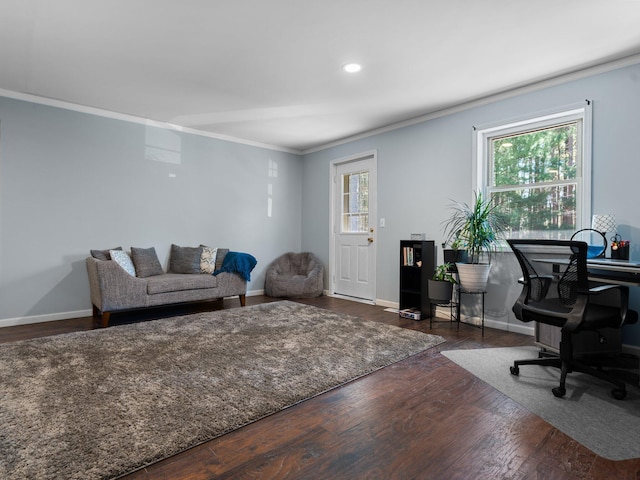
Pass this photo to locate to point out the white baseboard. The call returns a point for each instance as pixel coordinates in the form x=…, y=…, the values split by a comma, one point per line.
x=353, y=299
x=524, y=329
x=388, y=304
x=52, y=317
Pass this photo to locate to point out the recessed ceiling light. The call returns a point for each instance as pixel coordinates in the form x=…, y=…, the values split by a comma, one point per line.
x=352, y=67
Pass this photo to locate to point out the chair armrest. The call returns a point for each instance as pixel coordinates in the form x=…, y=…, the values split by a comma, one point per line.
x=623, y=291
x=315, y=271
x=273, y=271
x=575, y=319
x=543, y=277
x=526, y=295
x=544, y=282
x=602, y=288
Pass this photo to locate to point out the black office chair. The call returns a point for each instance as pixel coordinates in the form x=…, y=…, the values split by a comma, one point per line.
x=568, y=305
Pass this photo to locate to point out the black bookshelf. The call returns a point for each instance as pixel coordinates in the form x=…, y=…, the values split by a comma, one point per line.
x=417, y=265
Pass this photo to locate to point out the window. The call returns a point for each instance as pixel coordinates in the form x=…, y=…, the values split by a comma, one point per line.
x=355, y=202
x=538, y=171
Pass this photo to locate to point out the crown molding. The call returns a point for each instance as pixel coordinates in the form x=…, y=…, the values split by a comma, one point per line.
x=27, y=97
x=531, y=87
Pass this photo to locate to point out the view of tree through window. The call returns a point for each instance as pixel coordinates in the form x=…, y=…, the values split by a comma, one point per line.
x=355, y=203
x=534, y=177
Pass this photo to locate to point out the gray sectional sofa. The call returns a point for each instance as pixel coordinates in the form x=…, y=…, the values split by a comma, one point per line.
x=115, y=286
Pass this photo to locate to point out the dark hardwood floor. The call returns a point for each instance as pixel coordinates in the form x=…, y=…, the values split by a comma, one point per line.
x=421, y=418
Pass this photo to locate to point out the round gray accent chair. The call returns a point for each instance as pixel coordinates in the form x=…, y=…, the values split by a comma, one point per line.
x=295, y=275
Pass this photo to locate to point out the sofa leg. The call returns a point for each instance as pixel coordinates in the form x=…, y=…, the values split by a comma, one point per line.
x=243, y=300
x=105, y=319
x=101, y=318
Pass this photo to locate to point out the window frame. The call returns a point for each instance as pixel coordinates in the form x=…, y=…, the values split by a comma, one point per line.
x=482, y=157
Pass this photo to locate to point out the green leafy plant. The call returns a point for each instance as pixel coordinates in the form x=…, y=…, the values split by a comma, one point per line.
x=443, y=273
x=475, y=227
x=453, y=242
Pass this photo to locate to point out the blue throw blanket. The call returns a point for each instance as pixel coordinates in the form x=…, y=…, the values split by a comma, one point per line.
x=237, y=262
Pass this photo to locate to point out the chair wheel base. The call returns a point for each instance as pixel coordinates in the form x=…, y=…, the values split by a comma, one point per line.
x=514, y=370
x=559, y=391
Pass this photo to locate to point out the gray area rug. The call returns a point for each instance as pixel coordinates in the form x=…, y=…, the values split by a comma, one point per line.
x=101, y=403
x=588, y=413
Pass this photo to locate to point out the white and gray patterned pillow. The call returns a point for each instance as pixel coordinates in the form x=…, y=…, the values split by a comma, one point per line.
x=103, y=254
x=124, y=260
x=208, y=259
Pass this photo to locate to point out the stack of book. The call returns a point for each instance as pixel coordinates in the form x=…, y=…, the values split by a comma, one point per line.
x=407, y=256
x=412, y=313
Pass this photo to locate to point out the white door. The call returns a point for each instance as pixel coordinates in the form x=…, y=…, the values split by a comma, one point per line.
x=354, y=235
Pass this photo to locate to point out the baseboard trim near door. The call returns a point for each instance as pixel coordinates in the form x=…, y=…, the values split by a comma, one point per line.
x=353, y=299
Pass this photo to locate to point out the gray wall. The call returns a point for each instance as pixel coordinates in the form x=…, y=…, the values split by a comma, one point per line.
x=71, y=181
x=421, y=168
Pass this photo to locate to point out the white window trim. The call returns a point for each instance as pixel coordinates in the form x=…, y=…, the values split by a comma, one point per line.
x=582, y=111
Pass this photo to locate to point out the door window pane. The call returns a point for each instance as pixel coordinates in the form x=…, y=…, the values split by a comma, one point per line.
x=355, y=202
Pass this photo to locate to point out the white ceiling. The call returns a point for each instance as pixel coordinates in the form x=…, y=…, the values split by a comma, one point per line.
x=269, y=71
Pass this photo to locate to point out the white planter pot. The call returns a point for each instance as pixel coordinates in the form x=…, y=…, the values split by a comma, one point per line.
x=473, y=276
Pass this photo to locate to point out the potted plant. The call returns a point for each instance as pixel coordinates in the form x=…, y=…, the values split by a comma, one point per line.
x=455, y=253
x=441, y=284
x=476, y=228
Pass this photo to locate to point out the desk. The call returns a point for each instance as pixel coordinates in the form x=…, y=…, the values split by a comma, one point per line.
x=619, y=272
x=606, y=270
x=602, y=270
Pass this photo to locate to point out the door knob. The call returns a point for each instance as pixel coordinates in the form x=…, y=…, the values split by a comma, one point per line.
x=370, y=240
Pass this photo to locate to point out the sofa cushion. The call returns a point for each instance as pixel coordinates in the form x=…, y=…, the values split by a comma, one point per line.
x=175, y=282
x=124, y=260
x=146, y=262
x=103, y=254
x=185, y=259
x=208, y=259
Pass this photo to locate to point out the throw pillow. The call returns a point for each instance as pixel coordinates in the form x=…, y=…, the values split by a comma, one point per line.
x=208, y=259
x=103, y=254
x=146, y=262
x=124, y=260
x=222, y=252
x=185, y=259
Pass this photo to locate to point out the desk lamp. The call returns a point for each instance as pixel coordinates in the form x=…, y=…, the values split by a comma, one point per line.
x=604, y=224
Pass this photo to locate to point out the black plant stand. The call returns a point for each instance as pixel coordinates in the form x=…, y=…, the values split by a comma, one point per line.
x=454, y=311
x=461, y=292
